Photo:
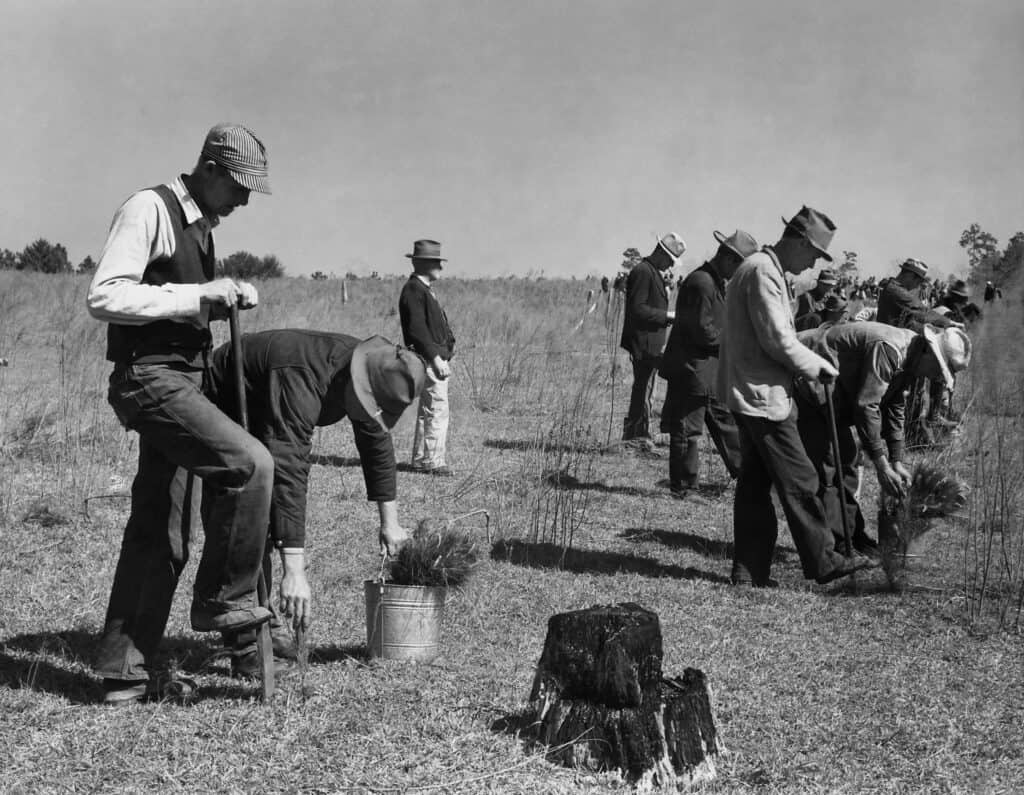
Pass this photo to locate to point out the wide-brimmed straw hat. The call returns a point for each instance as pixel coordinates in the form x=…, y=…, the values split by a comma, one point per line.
x=240, y=152
x=952, y=349
x=673, y=244
x=816, y=227
x=740, y=242
x=426, y=249
x=386, y=379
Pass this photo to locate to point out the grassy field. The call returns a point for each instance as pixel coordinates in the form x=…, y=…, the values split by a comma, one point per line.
x=849, y=688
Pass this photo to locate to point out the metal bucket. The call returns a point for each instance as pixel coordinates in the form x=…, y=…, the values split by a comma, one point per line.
x=403, y=622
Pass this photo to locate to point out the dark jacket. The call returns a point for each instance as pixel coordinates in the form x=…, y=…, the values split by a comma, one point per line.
x=691, y=355
x=424, y=324
x=295, y=381
x=898, y=306
x=871, y=389
x=643, y=329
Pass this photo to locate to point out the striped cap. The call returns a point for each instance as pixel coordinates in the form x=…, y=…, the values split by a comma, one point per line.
x=239, y=151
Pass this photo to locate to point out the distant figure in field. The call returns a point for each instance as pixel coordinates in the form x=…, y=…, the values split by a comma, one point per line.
x=992, y=292
x=643, y=330
x=297, y=381
x=877, y=364
x=426, y=331
x=155, y=286
x=812, y=302
x=760, y=357
x=690, y=366
x=899, y=304
x=604, y=284
x=954, y=302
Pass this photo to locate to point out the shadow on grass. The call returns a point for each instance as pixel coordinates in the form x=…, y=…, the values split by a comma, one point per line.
x=522, y=725
x=709, y=547
x=335, y=653
x=565, y=482
x=349, y=461
x=587, y=561
x=529, y=445
x=60, y=663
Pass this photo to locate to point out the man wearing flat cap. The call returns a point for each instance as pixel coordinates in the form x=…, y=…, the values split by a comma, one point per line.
x=426, y=331
x=690, y=366
x=759, y=359
x=155, y=287
x=643, y=329
x=297, y=381
x=812, y=302
x=899, y=304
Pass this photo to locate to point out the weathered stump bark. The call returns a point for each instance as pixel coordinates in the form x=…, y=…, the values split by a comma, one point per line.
x=602, y=704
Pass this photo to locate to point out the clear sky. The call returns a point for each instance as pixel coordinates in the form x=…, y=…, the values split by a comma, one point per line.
x=524, y=135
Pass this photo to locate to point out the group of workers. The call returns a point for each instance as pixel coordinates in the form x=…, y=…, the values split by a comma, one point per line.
x=156, y=287
x=735, y=362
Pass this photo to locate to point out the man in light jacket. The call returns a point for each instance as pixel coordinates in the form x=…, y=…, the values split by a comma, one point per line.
x=759, y=359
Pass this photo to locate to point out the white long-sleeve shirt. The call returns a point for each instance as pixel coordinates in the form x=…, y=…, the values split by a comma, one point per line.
x=140, y=233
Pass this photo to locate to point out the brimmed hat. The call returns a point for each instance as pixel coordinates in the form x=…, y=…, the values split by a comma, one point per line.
x=237, y=149
x=959, y=289
x=739, y=242
x=426, y=249
x=952, y=349
x=816, y=227
x=915, y=266
x=386, y=379
x=827, y=276
x=834, y=303
x=673, y=244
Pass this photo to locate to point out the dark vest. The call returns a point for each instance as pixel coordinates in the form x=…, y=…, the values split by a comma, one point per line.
x=168, y=341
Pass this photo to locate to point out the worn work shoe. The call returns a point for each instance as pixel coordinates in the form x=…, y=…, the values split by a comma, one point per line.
x=742, y=578
x=847, y=566
x=205, y=619
x=440, y=472
x=246, y=664
x=161, y=687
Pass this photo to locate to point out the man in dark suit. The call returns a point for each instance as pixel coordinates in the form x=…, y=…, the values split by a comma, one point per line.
x=643, y=329
x=426, y=331
x=690, y=366
x=899, y=304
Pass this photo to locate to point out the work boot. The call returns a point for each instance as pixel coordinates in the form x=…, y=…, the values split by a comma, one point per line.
x=245, y=664
x=160, y=687
x=208, y=617
x=846, y=566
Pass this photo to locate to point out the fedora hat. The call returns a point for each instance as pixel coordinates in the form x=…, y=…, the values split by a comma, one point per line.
x=426, y=249
x=386, y=379
x=738, y=242
x=835, y=303
x=952, y=349
x=915, y=266
x=673, y=245
x=827, y=276
x=959, y=289
x=238, y=150
x=816, y=227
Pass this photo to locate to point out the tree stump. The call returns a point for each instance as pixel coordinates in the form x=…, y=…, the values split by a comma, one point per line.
x=602, y=704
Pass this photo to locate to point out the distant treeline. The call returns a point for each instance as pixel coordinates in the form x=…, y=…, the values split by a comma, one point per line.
x=42, y=256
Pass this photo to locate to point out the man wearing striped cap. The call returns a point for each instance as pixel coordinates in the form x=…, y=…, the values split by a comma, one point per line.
x=156, y=288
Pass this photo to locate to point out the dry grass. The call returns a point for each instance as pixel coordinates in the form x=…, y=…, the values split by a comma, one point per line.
x=841, y=689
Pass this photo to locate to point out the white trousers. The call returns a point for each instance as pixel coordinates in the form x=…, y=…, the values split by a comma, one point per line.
x=428, y=446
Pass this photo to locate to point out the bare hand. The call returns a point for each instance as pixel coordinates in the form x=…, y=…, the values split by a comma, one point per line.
x=392, y=538
x=296, y=602
x=890, y=480
x=828, y=373
x=228, y=292
x=904, y=473
x=442, y=368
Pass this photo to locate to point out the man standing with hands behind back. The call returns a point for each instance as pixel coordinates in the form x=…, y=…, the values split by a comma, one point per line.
x=426, y=331
x=643, y=329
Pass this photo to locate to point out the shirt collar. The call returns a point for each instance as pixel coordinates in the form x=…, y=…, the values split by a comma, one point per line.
x=189, y=204
x=422, y=278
